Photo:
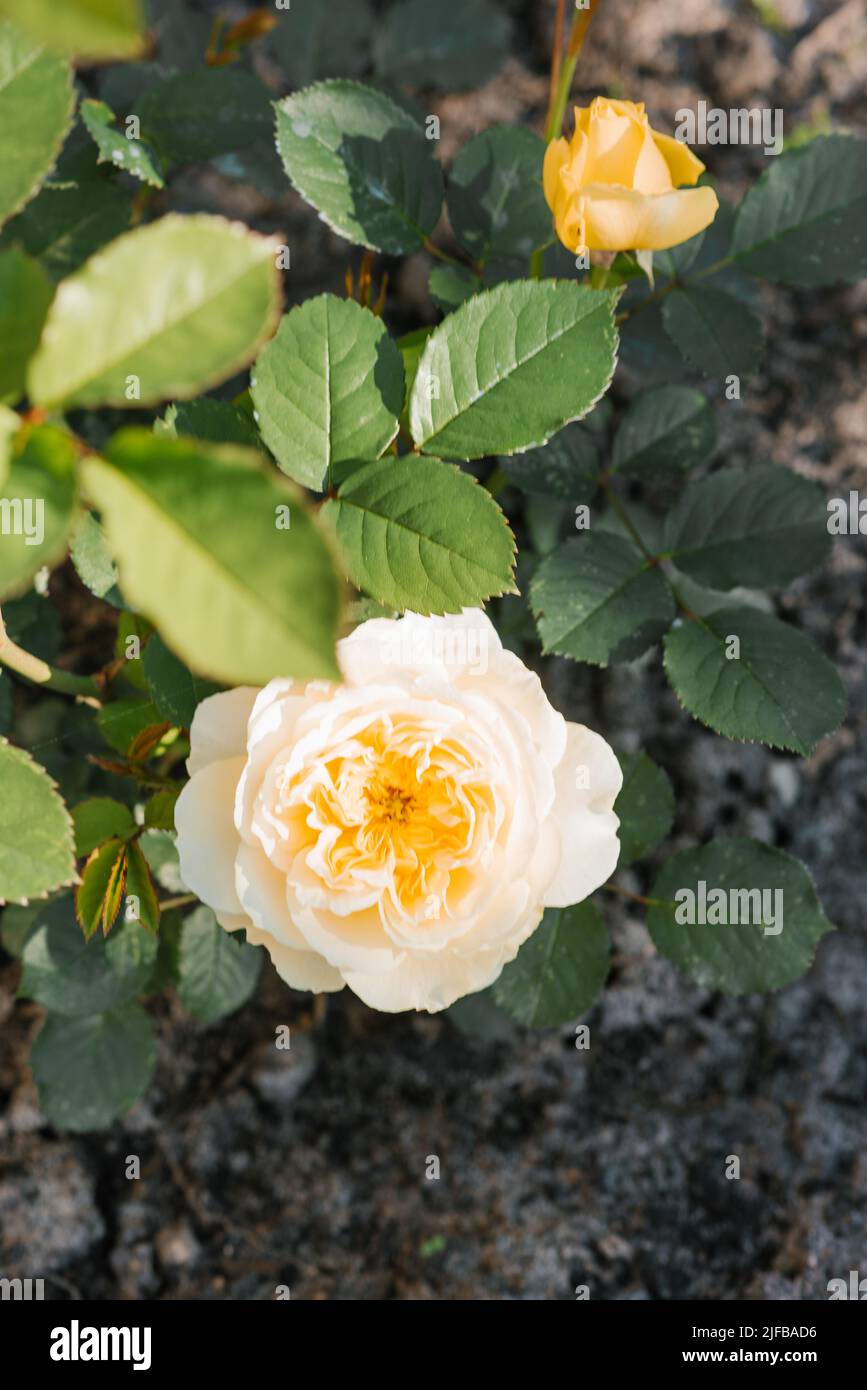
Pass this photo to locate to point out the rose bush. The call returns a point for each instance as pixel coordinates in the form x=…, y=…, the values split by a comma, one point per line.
x=401, y=833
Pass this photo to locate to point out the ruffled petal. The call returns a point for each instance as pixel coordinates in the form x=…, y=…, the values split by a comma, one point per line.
x=585, y=817
x=207, y=839
x=219, y=727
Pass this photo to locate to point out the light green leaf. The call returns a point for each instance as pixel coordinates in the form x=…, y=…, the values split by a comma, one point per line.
x=645, y=805
x=194, y=529
x=217, y=973
x=597, y=599
x=74, y=977
x=36, y=839
x=750, y=527
x=192, y=116
x=567, y=467
x=559, y=971
x=781, y=689
x=37, y=506
x=455, y=44
x=65, y=225
x=10, y=424
x=199, y=295
x=174, y=689
x=665, y=432
x=25, y=294
x=36, y=105
x=718, y=335
x=745, y=943
x=511, y=367
x=363, y=162
x=805, y=221
x=327, y=388
x=219, y=421
x=89, y=1071
x=87, y=29
x=495, y=199
x=420, y=534
x=99, y=819
x=312, y=40
x=133, y=156
x=93, y=564
x=449, y=286
x=159, y=811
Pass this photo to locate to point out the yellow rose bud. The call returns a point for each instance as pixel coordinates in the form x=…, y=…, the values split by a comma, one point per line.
x=614, y=185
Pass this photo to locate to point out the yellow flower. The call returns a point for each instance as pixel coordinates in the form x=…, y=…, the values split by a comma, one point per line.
x=614, y=185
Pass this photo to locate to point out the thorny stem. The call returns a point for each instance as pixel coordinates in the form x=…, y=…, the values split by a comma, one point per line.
x=38, y=672
x=185, y=900
x=625, y=893
x=674, y=284
x=562, y=73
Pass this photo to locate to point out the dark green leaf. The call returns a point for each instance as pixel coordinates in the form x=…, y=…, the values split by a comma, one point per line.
x=750, y=527
x=781, y=689
x=701, y=917
x=217, y=973
x=664, y=433
x=75, y=977
x=597, y=594
x=645, y=806
x=89, y=1071
x=455, y=44
x=559, y=971
x=567, y=467
x=495, y=199
x=717, y=334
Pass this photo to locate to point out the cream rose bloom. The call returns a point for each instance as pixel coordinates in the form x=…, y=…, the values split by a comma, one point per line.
x=403, y=832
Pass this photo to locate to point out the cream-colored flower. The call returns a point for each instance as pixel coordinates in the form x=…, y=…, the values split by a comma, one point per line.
x=403, y=832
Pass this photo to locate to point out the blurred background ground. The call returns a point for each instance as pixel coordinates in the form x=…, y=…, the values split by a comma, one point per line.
x=558, y=1167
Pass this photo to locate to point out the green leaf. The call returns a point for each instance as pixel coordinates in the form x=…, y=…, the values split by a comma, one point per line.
x=75, y=977
x=99, y=819
x=665, y=432
x=199, y=296
x=567, y=467
x=645, y=805
x=99, y=896
x=192, y=116
x=716, y=334
x=25, y=294
x=36, y=508
x=115, y=148
x=598, y=599
x=559, y=971
x=511, y=367
x=89, y=1071
x=173, y=688
x=159, y=811
x=363, y=162
x=141, y=899
x=221, y=422
x=781, y=690
x=752, y=527
x=420, y=534
x=477, y=1016
x=93, y=563
x=88, y=29
x=7, y=706
x=327, y=388
x=455, y=44
x=195, y=532
x=411, y=346
x=449, y=286
x=805, y=221
x=161, y=851
x=65, y=225
x=36, y=105
x=217, y=973
x=495, y=199
x=121, y=721
x=773, y=946
x=36, y=839
x=10, y=424
x=312, y=40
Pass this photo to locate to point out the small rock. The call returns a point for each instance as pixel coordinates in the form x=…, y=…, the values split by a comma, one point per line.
x=281, y=1074
x=176, y=1245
